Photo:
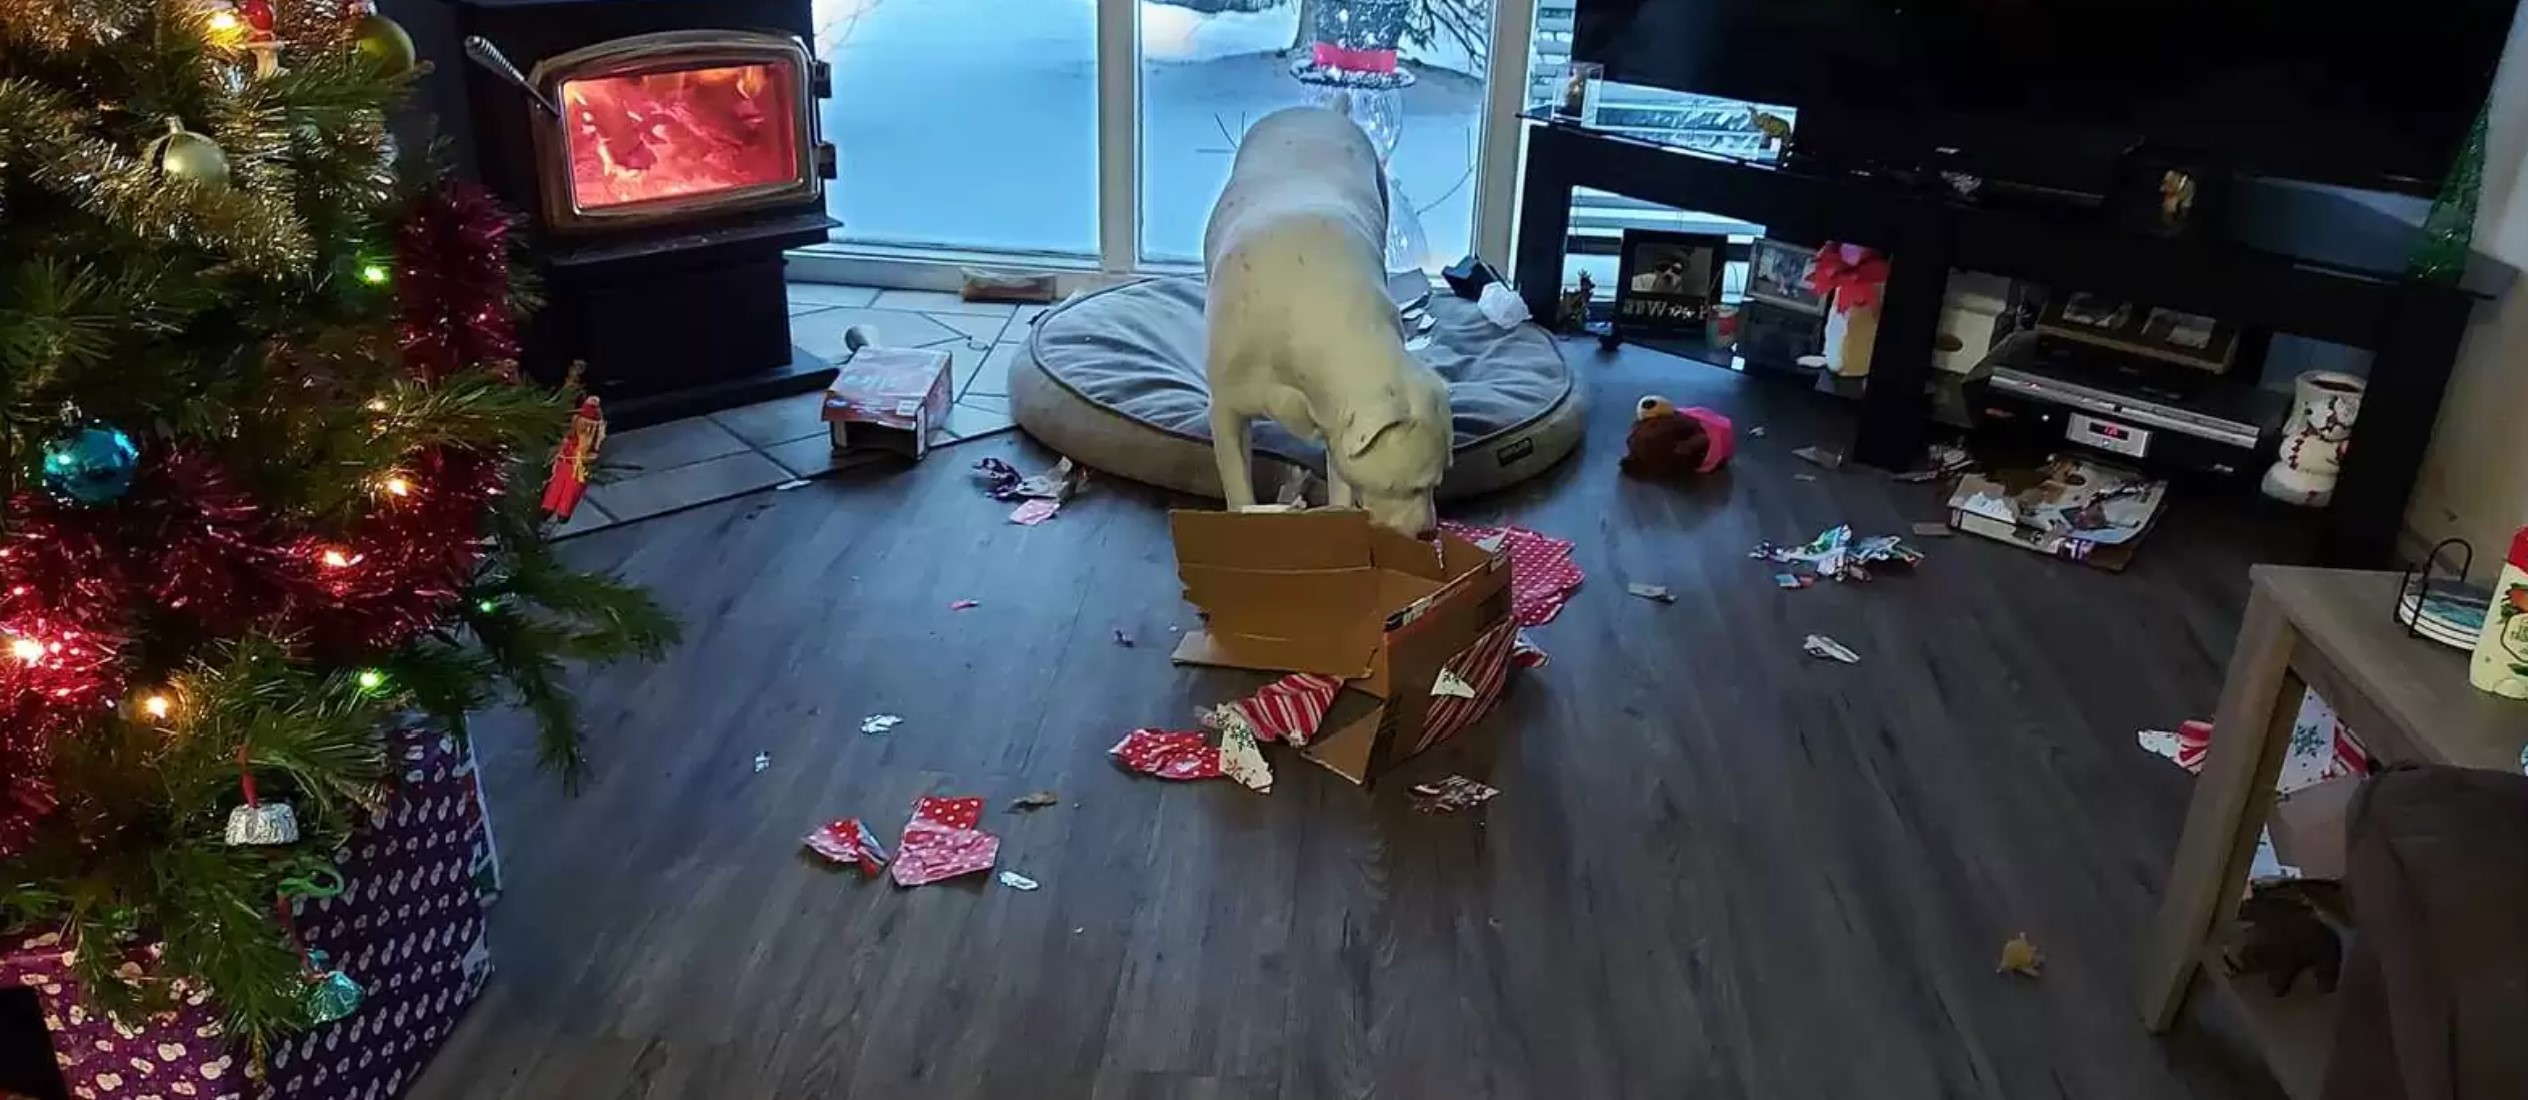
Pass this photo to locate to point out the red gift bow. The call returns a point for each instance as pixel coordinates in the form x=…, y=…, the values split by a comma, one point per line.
x=1852, y=273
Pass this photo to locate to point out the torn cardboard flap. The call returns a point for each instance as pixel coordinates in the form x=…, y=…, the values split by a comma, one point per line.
x=1311, y=608
x=1274, y=541
x=1327, y=592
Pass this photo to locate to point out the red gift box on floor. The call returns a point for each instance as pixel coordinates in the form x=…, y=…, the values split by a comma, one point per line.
x=408, y=927
x=889, y=399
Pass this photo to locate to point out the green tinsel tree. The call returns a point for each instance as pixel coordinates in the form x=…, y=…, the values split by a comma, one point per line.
x=271, y=483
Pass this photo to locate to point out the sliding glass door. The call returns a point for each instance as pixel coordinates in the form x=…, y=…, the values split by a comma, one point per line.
x=1098, y=132
x=965, y=125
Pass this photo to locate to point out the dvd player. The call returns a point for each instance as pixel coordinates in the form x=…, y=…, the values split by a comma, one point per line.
x=2211, y=425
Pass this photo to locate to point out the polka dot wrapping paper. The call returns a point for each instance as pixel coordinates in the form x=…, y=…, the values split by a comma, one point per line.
x=1168, y=754
x=408, y=927
x=849, y=842
x=943, y=842
x=1542, y=574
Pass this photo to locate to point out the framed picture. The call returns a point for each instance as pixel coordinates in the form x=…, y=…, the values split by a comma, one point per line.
x=1777, y=273
x=1579, y=99
x=1667, y=283
x=2155, y=332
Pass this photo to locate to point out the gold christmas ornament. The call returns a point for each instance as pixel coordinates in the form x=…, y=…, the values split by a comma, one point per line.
x=183, y=154
x=383, y=41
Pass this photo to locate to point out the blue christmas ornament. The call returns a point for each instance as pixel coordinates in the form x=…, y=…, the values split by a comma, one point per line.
x=331, y=994
x=91, y=465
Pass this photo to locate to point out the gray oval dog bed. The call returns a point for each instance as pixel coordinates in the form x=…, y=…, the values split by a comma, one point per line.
x=1114, y=380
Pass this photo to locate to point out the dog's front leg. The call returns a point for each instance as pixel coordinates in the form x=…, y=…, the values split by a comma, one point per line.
x=1237, y=466
x=1338, y=492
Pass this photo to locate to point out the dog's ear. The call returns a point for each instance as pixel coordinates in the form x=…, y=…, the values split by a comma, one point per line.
x=1385, y=411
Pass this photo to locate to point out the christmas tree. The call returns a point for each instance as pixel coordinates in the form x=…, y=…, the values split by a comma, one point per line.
x=271, y=484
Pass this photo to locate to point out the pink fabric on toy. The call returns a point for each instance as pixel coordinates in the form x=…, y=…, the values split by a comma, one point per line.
x=1724, y=437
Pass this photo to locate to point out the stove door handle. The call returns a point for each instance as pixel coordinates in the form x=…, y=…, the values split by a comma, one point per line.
x=821, y=79
x=828, y=162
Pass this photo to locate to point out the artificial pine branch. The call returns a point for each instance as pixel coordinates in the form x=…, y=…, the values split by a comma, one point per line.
x=62, y=25
x=39, y=128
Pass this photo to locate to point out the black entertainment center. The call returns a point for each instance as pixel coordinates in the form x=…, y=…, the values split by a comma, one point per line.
x=1895, y=104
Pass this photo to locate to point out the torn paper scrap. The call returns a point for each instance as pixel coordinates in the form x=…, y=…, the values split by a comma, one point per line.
x=1000, y=479
x=1058, y=484
x=943, y=842
x=1287, y=709
x=1525, y=653
x=1821, y=646
x=1657, y=592
x=1034, y=512
x=879, y=723
x=1792, y=580
x=847, y=841
x=2185, y=747
x=1036, y=801
x=961, y=605
x=1168, y=754
x=762, y=760
x=1450, y=683
x=1542, y=576
x=1016, y=881
x=2020, y=956
x=1242, y=760
x=1820, y=456
x=1836, y=553
x=1450, y=795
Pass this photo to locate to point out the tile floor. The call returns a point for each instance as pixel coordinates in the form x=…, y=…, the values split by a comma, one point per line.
x=666, y=467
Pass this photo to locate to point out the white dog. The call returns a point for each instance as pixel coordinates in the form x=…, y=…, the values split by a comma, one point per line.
x=1302, y=328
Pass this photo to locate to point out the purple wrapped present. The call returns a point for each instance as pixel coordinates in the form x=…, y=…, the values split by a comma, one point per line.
x=408, y=927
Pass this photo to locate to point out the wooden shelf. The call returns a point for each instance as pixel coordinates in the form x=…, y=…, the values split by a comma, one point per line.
x=2295, y=1033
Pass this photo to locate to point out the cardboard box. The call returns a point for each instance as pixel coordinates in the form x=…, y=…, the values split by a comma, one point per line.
x=889, y=399
x=1328, y=592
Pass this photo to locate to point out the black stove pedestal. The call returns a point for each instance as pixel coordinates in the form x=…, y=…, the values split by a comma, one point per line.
x=680, y=325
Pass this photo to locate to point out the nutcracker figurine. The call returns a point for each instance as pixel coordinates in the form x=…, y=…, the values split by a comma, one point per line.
x=262, y=40
x=577, y=456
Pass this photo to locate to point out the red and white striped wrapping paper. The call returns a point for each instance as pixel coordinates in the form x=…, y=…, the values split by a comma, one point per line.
x=1484, y=666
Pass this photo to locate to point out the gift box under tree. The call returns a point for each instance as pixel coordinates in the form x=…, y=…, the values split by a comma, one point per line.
x=407, y=928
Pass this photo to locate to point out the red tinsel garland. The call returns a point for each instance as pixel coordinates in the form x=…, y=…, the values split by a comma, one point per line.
x=452, y=283
x=394, y=574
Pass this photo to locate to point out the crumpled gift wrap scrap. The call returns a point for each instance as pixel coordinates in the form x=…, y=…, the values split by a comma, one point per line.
x=943, y=841
x=1288, y=709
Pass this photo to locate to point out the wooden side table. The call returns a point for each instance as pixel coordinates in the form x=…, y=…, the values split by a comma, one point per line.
x=2409, y=701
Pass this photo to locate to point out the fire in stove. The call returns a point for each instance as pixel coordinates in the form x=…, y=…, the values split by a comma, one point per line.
x=670, y=134
x=670, y=126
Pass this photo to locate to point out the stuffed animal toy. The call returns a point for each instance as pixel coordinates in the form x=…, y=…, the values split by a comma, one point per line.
x=1668, y=443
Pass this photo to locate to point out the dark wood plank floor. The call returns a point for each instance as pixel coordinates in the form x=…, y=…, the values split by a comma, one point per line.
x=1717, y=869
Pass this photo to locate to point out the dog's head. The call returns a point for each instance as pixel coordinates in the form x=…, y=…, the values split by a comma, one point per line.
x=1393, y=448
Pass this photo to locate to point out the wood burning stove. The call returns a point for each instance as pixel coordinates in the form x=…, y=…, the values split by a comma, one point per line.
x=667, y=153
x=674, y=126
